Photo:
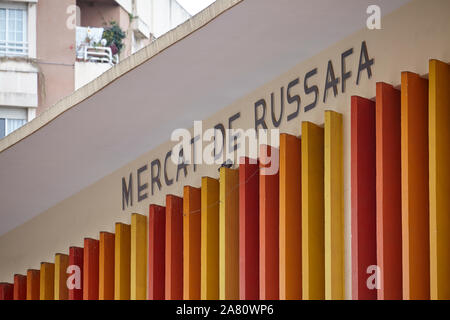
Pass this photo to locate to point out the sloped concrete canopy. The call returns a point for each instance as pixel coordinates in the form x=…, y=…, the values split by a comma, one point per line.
x=218, y=56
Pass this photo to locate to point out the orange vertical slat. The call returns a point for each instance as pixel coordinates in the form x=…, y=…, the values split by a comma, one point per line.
x=290, y=218
x=122, y=262
x=415, y=210
x=106, y=266
x=33, y=284
x=191, y=243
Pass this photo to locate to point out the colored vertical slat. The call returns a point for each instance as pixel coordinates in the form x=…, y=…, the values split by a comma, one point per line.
x=269, y=223
x=122, y=265
x=439, y=135
x=47, y=283
x=191, y=243
x=415, y=211
x=156, y=252
x=363, y=194
x=334, y=207
x=20, y=287
x=248, y=229
x=106, y=266
x=174, y=248
x=61, y=264
x=33, y=284
x=76, y=256
x=138, y=257
x=6, y=291
x=313, y=212
x=389, y=190
x=290, y=218
x=210, y=239
x=229, y=234
x=91, y=269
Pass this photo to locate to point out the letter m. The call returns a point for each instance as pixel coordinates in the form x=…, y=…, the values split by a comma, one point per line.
x=127, y=192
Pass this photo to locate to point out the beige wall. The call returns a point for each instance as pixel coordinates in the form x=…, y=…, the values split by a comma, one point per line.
x=410, y=36
x=98, y=14
x=55, y=52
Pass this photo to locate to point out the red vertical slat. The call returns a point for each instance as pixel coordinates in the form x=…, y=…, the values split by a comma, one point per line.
x=20, y=287
x=248, y=229
x=174, y=248
x=91, y=269
x=76, y=259
x=156, y=253
x=6, y=291
x=363, y=194
x=269, y=223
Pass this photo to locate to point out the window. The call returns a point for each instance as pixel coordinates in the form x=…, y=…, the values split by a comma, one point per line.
x=10, y=125
x=13, y=30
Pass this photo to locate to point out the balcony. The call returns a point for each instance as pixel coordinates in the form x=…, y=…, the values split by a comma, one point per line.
x=93, y=56
x=91, y=47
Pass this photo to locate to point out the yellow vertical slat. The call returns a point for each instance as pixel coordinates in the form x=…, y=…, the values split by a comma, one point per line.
x=313, y=248
x=122, y=262
x=439, y=153
x=229, y=234
x=210, y=239
x=61, y=264
x=138, y=257
x=334, y=207
x=47, y=285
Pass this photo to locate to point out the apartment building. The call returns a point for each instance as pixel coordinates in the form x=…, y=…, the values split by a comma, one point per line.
x=49, y=48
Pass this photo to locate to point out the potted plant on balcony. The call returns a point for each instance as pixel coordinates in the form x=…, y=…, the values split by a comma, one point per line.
x=114, y=36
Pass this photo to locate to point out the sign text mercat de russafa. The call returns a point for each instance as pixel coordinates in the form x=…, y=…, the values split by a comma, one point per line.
x=290, y=105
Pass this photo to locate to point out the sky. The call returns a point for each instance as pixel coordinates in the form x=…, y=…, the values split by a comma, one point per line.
x=195, y=6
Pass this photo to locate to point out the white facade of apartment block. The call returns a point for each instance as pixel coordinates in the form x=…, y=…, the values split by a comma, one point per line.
x=18, y=79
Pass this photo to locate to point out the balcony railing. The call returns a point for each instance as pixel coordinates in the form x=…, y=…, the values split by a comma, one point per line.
x=13, y=48
x=99, y=54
